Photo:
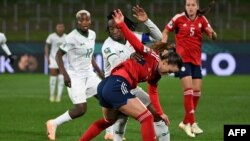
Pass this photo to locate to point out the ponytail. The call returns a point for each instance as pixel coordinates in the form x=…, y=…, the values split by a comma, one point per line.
x=159, y=47
x=204, y=11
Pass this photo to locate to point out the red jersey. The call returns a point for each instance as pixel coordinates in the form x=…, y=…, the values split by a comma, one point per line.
x=140, y=71
x=188, y=36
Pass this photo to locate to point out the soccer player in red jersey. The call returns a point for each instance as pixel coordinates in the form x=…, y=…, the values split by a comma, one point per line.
x=188, y=27
x=114, y=90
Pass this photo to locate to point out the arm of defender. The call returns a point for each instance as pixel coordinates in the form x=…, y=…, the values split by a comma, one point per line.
x=60, y=63
x=96, y=67
x=142, y=16
x=129, y=35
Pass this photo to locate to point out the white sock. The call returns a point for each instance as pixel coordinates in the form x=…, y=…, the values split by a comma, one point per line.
x=62, y=119
x=52, y=85
x=60, y=85
x=161, y=131
x=109, y=130
x=119, y=128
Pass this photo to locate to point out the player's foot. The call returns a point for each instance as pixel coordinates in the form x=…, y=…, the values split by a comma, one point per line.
x=187, y=129
x=58, y=99
x=51, y=130
x=52, y=99
x=196, y=129
x=108, y=136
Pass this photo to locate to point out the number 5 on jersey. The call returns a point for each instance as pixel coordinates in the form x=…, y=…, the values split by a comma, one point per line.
x=192, y=29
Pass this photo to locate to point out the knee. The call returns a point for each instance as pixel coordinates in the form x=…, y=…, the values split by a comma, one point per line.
x=81, y=109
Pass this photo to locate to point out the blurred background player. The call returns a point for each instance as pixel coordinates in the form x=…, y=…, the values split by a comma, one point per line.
x=5, y=48
x=188, y=27
x=117, y=49
x=115, y=90
x=53, y=42
x=80, y=79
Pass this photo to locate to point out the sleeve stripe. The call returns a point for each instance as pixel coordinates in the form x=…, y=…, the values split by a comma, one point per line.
x=63, y=50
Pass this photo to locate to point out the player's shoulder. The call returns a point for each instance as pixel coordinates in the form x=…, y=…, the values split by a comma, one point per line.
x=72, y=34
x=2, y=37
x=108, y=43
x=202, y=17
x=92, y=33
x=2, y=34
x=178, y=16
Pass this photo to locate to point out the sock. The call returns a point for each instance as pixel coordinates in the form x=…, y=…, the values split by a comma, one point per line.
x=196, y=98
x=120, y=127
x=95, y=129
x=161, y=131
x=52, y=85
x=109, y=130
x=189, y=106
x=62, y=118
x=60, y=85
x=147, y=127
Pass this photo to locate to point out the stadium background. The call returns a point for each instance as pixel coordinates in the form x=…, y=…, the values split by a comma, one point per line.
x=24, y=92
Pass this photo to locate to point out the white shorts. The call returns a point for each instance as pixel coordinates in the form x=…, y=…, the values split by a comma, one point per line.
x=52, y=63
x=83, y=88
x=142, y=95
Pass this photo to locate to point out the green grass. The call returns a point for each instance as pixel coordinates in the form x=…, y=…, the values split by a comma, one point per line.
x=25, y=108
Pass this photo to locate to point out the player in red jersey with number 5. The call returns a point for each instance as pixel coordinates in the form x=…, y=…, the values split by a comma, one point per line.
x=188, y=27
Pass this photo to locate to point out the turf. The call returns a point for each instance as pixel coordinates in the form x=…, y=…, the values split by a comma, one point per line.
x=25, y=107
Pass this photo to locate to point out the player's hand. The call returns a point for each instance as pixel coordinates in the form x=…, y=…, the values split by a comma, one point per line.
x=12, y=59
x=118, y=16
x=67, y=81
x=164, y=117
x=139, y=14
x=214, y=35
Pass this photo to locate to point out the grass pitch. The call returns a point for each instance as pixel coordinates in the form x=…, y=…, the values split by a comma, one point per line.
x=25, y=107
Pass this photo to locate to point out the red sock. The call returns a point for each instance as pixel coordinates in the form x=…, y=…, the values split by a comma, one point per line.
x=95, y=129
x=147, y=126
x=196, y=98
x=189, y=106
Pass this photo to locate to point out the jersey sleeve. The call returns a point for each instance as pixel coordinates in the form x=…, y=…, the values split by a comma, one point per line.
x=172, y=23
x=107, y=50
x=135, y=42
x=3, y=39
x=154, y=97
x=205, y=24
x=155, y=33
x=49, y=39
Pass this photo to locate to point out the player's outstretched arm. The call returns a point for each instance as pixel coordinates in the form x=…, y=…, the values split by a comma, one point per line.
x=128, y=34
x=141, y=16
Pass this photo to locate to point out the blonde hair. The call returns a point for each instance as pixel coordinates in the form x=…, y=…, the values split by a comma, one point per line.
x=78, y=14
